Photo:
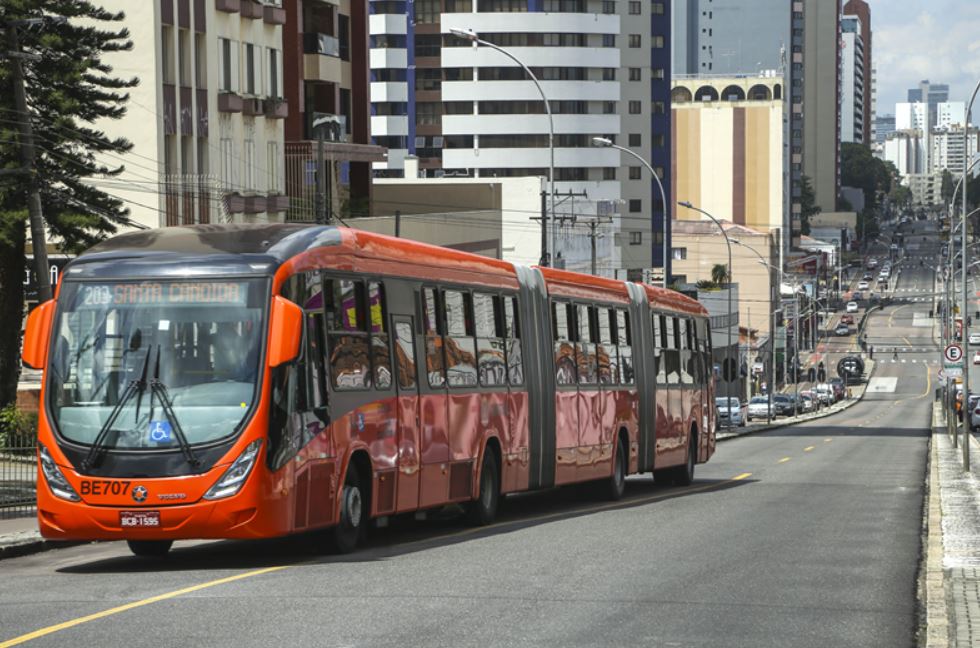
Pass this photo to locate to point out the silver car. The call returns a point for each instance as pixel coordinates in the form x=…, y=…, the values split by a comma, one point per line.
x=758, y=408
x=729, y=414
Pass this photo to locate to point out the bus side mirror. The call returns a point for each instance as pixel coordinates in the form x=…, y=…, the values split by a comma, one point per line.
x=285, y=331
x=37, y=335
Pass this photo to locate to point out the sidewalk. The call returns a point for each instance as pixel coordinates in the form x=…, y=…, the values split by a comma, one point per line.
x=949, y=587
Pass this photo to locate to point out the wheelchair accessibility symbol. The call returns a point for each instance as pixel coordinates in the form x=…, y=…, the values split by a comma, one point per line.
x=161, y=432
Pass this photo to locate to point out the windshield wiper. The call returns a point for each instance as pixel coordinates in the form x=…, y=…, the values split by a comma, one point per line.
x=98, y=445
x=160, y=390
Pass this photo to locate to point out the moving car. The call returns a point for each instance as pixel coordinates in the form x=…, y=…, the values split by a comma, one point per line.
x=974, y=338
x=847, y=319
x=825, y=393
x=808, y=401
x=868, y=276
x=783, y=405
x=852, y=307
x=758, y=408
x=837, y=384
x=842, y=329
x=863, y=285
x=730, y=413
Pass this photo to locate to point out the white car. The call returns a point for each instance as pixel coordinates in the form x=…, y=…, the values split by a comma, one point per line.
x=758, y=408
x=974, y=338
x=852, y=307
x=825, y=393
x=730, y=414
x=863, y=285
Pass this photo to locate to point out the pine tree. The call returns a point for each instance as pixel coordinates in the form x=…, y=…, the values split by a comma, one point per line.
x=68, y=90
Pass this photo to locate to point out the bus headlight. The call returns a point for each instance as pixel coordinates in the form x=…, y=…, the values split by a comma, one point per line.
x=57, y=483
x=233, y=479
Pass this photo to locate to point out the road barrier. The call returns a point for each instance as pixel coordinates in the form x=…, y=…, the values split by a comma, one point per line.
x=18, y=475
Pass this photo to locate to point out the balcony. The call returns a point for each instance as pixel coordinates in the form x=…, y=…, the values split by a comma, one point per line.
x=321, y=44
x=251, y=9
x=273, y=15
x=253, y=107
x=276, y=108
x=228, y=6
x=229, y=102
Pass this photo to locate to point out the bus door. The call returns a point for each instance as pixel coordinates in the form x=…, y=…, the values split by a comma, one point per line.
x=564, y=334
x=703, y=378
x=433, y=403
x=409, y=460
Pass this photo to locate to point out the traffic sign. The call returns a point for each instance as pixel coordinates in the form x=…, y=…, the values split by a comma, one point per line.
x=953, y=353
x=954, y=372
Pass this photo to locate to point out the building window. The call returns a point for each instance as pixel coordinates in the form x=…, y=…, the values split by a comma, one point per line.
x=274, y=60
x=635, y=8
x=635, y=107
x=678, y=254
x=200, y=61
x=657, y=42
x=609, y=108
x=636, y=238
x=609, y=173
x=636, y=205
x=634, y=40
x=636, y=173
x=167, y=53
x=609, y=40
x=658, y=107
x=608, y=74
x=228, y=65
x=634, y=74
x=658, y=141
x=249, y=69
x=657, y=73
x=657, y=8
x=184, y=56
x=608, y=6
x=636, y=139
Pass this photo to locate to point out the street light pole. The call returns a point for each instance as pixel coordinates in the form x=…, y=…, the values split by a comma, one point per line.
x=729, y=362
x=966, y=337
x=476, y=40
x=607, y=143
x=772, y=322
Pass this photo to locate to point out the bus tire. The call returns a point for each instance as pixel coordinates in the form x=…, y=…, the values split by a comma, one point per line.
x=617, y=481
x=684, y=475
x=345, y=536
x=483, y=510
x=150, y=548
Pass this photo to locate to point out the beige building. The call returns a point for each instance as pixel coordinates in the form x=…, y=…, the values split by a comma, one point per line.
x=206, y=120
x=821, y=98
x=728, y=149
x=698, y=246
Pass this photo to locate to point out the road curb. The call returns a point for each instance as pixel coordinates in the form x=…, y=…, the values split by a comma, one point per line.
x=932, y=585
x=32, y=546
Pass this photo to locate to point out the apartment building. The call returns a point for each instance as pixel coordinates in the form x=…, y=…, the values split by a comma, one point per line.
x=206, y=120
x=470, y=111
x=861, y=10
x=853, y=78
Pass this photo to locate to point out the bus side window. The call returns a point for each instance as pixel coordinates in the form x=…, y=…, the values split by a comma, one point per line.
x=624, y=340
x=435, y=366
x=562, y=318
x=586, y=357
x=672, y=358
x=686, y=355
x=608, y=354
x=380, y=354
x=491, y=361
x=658, y=348
x=460, y=339
x=515, y=359
x=346, y=313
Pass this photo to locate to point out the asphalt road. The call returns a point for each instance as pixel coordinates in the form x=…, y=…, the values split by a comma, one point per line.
x=803, y=536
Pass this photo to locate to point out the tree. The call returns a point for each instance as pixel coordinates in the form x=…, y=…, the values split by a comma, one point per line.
x=807, y=207
x=859, y=168
x=68, y=90
x=948, y=186
x=719, y=274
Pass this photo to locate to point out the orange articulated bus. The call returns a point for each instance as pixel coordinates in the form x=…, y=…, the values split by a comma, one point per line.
x=251, y=381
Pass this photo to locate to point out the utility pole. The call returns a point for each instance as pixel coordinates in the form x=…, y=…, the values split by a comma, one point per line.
x=398, y=223
x=543, y=262
x=27, y=154
x=320, y=207
x=594, y=235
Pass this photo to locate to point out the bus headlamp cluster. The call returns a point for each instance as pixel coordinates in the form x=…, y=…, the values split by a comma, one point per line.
x=57, y=483
x=231, y=482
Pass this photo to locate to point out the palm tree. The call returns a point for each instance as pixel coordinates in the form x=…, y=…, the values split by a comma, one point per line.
x=719, y=274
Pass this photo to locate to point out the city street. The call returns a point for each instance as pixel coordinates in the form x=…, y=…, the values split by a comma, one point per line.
x=807, y=535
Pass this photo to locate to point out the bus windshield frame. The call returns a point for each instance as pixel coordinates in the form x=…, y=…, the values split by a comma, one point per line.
x=135, y=365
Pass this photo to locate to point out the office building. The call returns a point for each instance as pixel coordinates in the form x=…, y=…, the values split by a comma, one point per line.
x=821, y=99
x=852, y=126
x=931, y=94
x=469, y=111
x=884, y=126
x=861, y=10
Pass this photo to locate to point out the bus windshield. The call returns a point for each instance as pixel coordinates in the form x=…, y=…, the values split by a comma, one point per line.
x=149, y=360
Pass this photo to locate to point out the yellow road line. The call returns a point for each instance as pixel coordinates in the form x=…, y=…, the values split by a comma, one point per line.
x=742, y=476
x=806, y=449
x=783, y=460
x=129, y=606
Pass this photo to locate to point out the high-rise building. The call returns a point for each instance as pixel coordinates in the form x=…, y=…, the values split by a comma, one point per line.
x=947, y=148
x=853, y=66
x=821, y=99
x=468, y=110
x=931, y=94
x=861, y=9
x=206, y=120
x=913, y=115
x=950, y=113
x=884, y=126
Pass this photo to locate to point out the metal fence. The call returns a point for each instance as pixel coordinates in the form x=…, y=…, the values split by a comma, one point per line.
x=18, y=475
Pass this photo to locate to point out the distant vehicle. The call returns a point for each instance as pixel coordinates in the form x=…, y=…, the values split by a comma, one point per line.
x=852, y=307
x=783, y=405
x=976, y=357
x=893, y=247
x=809, y=402
x=758, y=408
x=868, y=276
x=974, y=338
x=729, y=413
x=847, y=319
x=842, y=329
x=825, y=393
x=863, y=285
x=872, y=264
x=840, y=390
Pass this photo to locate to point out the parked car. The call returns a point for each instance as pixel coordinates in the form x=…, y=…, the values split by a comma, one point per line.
x=863, y=285
x=974, y=338
x=758, y=408
x=783, y=405
x=825, y=393
x=852, y=307
x=976, y=357
x=842, y=329
x=808, y=402
x=840, y=390
x=815, y=403
x=974, y=411
x=729, y=413
x=847, y=319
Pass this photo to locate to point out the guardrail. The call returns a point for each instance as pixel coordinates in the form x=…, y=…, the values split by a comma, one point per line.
x=18, y=475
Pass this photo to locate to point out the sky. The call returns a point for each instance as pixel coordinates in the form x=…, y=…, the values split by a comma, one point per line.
x=913, y=40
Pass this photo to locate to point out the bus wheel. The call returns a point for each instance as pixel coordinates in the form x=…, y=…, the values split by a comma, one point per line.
x=350, y=528
x=483, y=509
x=684, y=475
x=150, y=548
x=617, y=482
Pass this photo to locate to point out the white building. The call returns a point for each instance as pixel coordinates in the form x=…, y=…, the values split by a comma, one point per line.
x=947, y=147
x=907, y=151
x=853, y=81
x=206, y=120
x=950, y=113
x=911, y=116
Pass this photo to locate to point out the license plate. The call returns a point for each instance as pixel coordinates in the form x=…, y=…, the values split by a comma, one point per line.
x=132, y=519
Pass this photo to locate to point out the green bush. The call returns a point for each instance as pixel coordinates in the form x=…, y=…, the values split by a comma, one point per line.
x=17, y=429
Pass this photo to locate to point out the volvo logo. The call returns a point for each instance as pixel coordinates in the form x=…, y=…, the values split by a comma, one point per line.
x=139, y=494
